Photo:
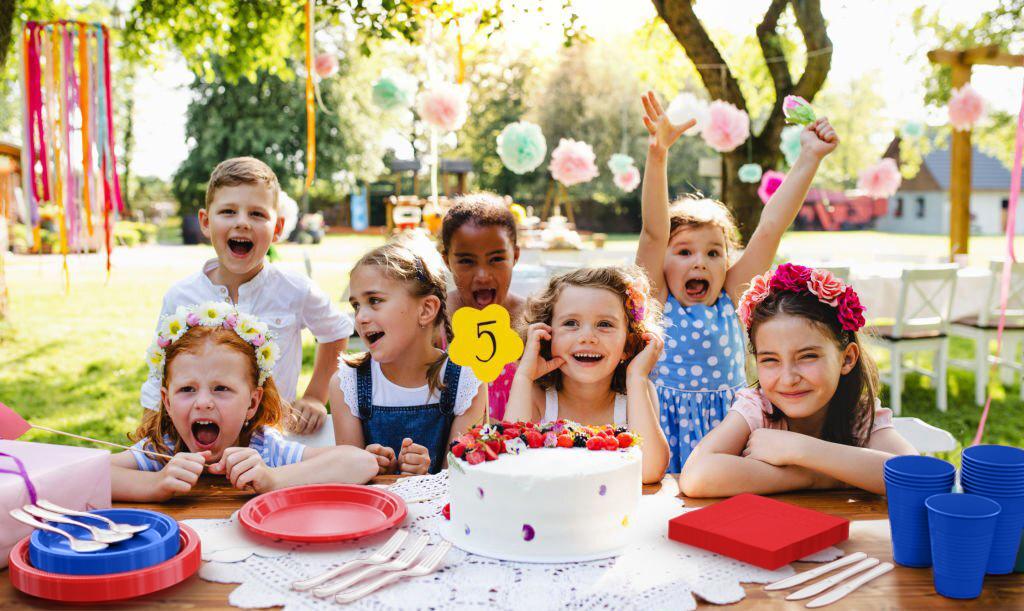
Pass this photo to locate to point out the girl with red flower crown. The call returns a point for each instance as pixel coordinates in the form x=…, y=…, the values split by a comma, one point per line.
x=813, y=420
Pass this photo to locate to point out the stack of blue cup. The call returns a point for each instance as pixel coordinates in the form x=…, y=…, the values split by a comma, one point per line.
x=962, y=528
x=997, y=473
x=909, y=480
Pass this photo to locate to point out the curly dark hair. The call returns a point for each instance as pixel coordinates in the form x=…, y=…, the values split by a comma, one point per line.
x=483, y=209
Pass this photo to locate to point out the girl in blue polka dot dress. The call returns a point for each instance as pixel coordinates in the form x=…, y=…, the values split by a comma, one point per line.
x=686, y=249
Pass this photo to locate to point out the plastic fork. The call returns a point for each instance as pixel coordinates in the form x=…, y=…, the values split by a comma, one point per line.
x=98, y=534
x=130, y=529
x=379, y=557
x=426, y=566
x=401, y=563
x=76, y=544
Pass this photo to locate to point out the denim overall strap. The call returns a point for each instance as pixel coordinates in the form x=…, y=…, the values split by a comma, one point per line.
x=364, y=390
x=451, y=389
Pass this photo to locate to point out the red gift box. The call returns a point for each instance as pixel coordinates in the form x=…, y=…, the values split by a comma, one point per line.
x=762, y=531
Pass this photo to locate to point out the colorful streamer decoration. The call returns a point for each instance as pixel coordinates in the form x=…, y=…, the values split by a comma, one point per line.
x=68, y=157
x=310, y=100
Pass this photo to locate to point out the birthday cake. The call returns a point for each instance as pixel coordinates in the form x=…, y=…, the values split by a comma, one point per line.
x=555, y=492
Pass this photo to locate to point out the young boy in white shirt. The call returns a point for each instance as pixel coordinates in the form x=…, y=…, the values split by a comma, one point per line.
x=241, y=220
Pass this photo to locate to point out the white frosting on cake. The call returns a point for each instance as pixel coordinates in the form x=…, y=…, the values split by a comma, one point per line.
x=545, y=504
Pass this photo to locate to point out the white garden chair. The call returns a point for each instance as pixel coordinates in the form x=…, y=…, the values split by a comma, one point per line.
x=982, y=329
x=925, y=438
x=921, y=325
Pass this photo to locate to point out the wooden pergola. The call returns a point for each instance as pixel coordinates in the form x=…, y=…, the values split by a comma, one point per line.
x=961, y=62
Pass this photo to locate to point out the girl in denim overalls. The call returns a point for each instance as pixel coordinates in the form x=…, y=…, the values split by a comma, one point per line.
x=402, y=400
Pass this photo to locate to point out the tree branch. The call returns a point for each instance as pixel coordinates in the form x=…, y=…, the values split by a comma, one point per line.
x=812, y=24
x=7, y=10
x=771, y=47
x=718, y=79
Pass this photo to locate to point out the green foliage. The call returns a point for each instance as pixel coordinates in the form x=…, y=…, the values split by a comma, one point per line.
x=130, y=233
x=266, y=118
x=846, y=109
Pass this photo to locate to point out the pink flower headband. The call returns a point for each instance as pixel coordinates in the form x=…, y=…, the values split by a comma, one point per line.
x=799, y=279
x=636, y=303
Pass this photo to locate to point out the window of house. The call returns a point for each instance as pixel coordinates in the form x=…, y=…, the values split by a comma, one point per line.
x=898, y=212
x=920, y=207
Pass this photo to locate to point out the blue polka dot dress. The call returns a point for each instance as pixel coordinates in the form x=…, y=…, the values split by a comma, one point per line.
x=699, y=372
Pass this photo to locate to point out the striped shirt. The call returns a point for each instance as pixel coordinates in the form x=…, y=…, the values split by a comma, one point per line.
x=273, y=448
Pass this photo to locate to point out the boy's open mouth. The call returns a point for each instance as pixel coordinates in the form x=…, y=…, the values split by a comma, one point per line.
x=697, y=290
x=484, y=297
x=587, y=357
x=205, y=432
x=374, y=337
x=240, y=246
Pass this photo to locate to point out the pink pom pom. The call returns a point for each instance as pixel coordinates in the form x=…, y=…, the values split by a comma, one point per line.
x=258, y=341
x=230, y=321
x=572, y=162
x=163, y=342
x=770, y=183
x=628, y=180
x=192, y=319
x=881, y=179
x=966, y=108
x=325, y=65
x=727, y=127
x=444, y=106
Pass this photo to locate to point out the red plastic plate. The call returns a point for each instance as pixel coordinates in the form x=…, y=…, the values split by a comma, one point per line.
x=762, y=531
x=322, y=512
x=105, y=588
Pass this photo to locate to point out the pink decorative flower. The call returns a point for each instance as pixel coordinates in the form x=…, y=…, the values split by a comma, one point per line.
x=230, y=321
x=797, y=110
x=444, y=106
x=827, y=287
x=572, y=162
x=550, y=440
x=881, y=179
x=851, y=312
x=192, y=319
x=258, y=341
x=636, y=303
x=325, y=65
x=628, y=180
x=759, y=288
x=790, y=277
x=770, y=183
x=162, y=341
x=727, y=126
x=966, y=107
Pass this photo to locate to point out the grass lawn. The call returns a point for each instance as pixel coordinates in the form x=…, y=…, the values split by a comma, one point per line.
x=74, y=360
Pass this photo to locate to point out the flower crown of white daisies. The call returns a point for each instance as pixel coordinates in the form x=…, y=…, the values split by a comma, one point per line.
x=214, y=314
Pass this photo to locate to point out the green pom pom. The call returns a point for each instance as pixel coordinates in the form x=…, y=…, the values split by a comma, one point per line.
x=790, y=143
x=750, y=172
x=394, y=90
x=619, y=163
x=521, y=146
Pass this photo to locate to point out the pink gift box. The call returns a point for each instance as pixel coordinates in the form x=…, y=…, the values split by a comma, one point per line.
x=76, y=478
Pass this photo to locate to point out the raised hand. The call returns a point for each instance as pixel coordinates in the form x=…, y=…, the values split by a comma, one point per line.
x=663, y=132
x=645, y=360
x=181, y=473
x=533, y=365
x=819, y=138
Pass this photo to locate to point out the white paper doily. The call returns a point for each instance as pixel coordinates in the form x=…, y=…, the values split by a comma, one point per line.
x=653, y=572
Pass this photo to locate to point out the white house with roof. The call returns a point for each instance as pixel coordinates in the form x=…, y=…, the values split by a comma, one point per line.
x=921, y=205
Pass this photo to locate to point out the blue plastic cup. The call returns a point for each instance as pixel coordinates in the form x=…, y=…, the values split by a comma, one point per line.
x=1006, y=540
x=961, y=527
x=994, y=456
x=908, y=520
x=920, y=468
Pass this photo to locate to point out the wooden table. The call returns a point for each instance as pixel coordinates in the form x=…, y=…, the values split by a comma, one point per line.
x=903, y=588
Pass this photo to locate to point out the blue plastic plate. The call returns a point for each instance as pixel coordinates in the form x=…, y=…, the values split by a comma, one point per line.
x=50, y=551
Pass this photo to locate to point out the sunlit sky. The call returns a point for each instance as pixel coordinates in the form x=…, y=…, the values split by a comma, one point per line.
x=869, y=36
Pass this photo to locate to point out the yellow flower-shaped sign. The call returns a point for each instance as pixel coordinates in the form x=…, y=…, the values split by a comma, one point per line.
x=484, y=341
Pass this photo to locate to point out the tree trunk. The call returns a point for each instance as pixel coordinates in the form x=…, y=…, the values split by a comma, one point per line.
x=721, y=84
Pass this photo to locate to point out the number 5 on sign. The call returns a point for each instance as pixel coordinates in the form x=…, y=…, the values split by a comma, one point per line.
x=484, y=341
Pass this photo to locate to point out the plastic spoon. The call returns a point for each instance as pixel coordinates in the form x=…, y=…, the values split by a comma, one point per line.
x=77, y=545
x=98, y=534
x=129, y=529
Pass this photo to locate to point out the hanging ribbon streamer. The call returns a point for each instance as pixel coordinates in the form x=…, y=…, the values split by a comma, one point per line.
x=310, y=100
x=21, y=472
x=1004, y=284
x=69, y=158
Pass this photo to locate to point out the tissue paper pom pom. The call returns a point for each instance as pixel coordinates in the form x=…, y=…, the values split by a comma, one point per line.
x=522, y=147
x=770, y=182
x=727, y=127
x=911, y=129
x=789, y=143
x=687, y=106
x=572, y=162
x=393, y=90
x=325, y=65
x=881, y=179
x=965, y=108
x=444, y=106
x=797, y=110
x=619, y=163
x=628, y=180
x=749, y=172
